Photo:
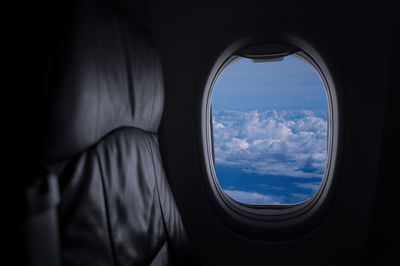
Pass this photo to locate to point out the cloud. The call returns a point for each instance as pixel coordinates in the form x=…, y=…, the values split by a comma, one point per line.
x=299, y=197
x=253, y=197
x=313, y=186
x=285, y=143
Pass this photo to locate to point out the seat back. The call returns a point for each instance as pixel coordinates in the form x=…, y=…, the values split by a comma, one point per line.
x=106, y=101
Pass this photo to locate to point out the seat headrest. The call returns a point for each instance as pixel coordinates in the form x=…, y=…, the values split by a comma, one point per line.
x=106, y=75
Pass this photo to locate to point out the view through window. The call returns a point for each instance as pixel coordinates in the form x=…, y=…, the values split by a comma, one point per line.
x=270, y=131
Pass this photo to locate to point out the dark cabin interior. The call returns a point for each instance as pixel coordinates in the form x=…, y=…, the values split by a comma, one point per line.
x=106, y=87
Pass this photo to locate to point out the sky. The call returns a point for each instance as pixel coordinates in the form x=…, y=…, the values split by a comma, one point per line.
x=270, y=131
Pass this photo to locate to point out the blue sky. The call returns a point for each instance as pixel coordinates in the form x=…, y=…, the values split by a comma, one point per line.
x=291, y=84
x=270, y=131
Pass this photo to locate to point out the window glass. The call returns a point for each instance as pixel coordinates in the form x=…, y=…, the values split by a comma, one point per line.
x=269, y=123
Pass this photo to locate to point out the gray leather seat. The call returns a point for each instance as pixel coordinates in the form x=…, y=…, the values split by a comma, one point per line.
x=106, y=95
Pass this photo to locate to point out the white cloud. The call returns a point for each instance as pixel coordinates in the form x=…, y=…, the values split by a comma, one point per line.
x=299, y=197
x=283, y=143
x=253, y=197
x=312, y=186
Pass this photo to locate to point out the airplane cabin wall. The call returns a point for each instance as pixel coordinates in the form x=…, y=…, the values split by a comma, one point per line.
x=356, y=40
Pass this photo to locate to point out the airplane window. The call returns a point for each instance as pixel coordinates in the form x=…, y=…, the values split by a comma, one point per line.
x=269, y=127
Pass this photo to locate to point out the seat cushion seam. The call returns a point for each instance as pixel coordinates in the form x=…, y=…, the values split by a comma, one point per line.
x=154, y=93
x=157, y=188
x=107, y=210
x=159, y=250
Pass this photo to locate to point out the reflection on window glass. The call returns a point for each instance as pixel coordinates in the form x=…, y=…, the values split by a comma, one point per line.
x=270, y=131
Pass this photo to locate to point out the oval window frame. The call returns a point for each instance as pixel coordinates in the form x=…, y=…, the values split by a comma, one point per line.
x=276, y=221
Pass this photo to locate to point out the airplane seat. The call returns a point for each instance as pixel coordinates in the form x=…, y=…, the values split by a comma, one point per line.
x=105, y=105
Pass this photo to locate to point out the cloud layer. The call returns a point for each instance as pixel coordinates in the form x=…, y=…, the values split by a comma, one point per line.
x=285, y=143
x=253, y=197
